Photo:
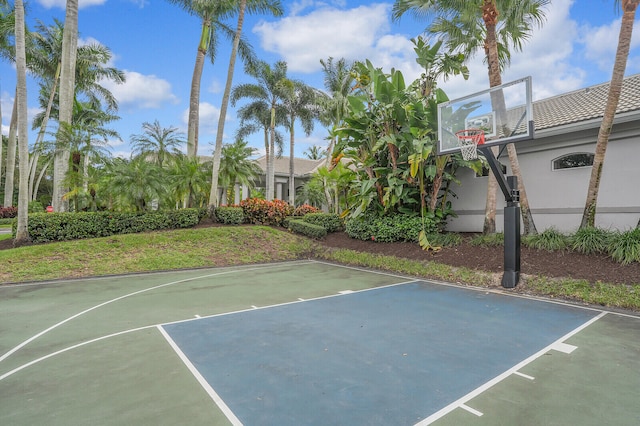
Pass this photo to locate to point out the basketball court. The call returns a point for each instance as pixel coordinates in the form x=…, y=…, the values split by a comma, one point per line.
x=308, y=343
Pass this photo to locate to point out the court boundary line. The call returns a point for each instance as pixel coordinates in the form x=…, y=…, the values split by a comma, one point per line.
x=142, y=274
x=135, y=293
x=483, y=388
x=200, y=378
x=483, y=289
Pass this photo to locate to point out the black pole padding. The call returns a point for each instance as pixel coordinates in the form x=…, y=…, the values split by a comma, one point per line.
x=512, y=236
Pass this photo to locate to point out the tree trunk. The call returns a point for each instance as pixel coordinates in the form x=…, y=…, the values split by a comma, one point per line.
x=615, y=88
x=66, y=99
x=529, y=227
x=272, y=157
x=22, y=232
x=11, y=155
x=217, y=153
x=43, y=128
x=292, y=185
x=194, y=97
x=489, y=226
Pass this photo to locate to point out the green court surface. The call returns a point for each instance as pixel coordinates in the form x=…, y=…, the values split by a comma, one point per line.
x=122, y=350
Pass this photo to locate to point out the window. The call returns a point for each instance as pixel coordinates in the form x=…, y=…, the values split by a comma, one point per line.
x=570, y=161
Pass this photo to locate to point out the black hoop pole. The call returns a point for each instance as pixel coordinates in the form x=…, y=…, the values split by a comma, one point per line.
x=509, y=187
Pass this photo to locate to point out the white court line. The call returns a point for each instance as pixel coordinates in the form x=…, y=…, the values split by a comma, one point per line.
x=471, y=410
x=468, y=397
x=35, y=361
x=526, y=376
x=564, y=347
x=31, y=339
x=203, y=382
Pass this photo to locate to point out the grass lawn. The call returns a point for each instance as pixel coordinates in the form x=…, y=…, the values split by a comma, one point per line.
x=236, y=245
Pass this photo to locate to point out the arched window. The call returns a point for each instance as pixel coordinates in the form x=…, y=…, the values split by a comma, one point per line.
x=573, y=160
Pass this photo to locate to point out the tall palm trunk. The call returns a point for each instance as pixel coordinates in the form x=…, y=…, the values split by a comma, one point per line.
x=194, y=97
x=272, y=156
x=615, y=88
x=11, y=155
x=217, y=153
x=22, y=233
x=66, y=98
x=490, y=17
x=292, y=184
x=33, y=188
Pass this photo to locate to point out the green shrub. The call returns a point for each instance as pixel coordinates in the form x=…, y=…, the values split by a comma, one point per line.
x=550, y=239
x=590, y=240
x=398, y=227
x=305, y=209
x=262, y=212
x=44, y=227
x=7, y=221
x=35, y=207
x=230, y=215
x=329, y=221
x=624, y=247
x=490, y=240
x=305, y=228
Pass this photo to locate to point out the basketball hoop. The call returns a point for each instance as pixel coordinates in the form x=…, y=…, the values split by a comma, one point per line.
x=469, y=139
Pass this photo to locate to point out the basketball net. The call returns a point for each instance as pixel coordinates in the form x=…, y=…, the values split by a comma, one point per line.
x=469, y=139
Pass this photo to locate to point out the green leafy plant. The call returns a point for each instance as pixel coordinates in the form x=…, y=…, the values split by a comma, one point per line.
x=444, y=239
x=590, y=240
x=550, y=239
x=390, y=228
x=230, y=215
x=329, y=221
x=624, y=247
x=490, y=240
x=305, y=228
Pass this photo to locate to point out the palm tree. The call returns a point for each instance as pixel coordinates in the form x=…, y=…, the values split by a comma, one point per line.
x=300, y=104
x=22, y=233
x=236, y=167
x=67, y=96
x=212, y=14
x=495, y=26
x=255, y=117
x=133, y=184
x=315, y=152
x=275, y=8
x=157, y=142
x=91, y=71
x=269, y=92
x=615, y=88
x=189, y=180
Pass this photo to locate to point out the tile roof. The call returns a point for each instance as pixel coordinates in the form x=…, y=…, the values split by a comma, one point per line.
x=584, y=104
x=302, y=166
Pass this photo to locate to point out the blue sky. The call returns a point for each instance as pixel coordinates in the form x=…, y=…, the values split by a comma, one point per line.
x=154, y=43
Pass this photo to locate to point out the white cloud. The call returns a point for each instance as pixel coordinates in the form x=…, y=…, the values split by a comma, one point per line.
x=549, y=56
x=600, y=43
x=215, y=87
x=209, y=116
x=326, y=32
x=61, y=4
x=142, y=91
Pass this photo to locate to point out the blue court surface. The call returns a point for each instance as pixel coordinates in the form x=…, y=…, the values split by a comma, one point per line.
x=403, y=354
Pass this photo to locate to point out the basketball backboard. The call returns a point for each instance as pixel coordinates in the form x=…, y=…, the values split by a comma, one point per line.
x=504, y=113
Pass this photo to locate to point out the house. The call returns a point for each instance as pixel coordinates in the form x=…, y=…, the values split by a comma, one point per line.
x=556, y=164
x=303, y=169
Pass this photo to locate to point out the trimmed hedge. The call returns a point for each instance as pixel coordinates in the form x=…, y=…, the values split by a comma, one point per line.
x=45, y=227
x=329, y=221
x=305, y=228
x=229, y=215
x=387, y=229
